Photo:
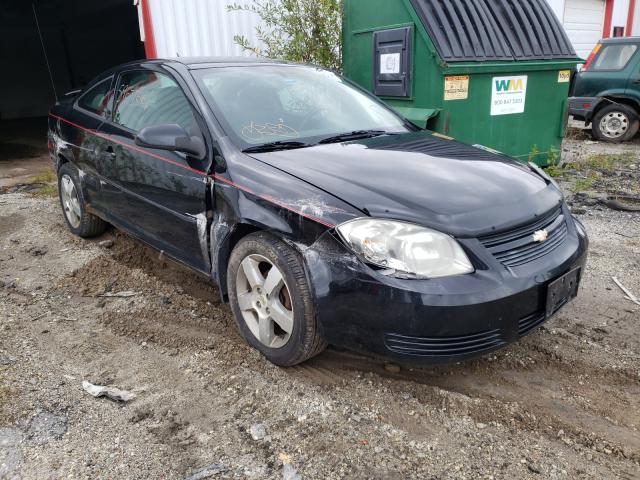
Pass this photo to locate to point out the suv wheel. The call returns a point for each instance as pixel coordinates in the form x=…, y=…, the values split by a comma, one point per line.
x=615, y=123
x=271, y=300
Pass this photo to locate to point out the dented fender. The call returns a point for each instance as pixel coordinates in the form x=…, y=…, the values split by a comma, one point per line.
x=249, y=195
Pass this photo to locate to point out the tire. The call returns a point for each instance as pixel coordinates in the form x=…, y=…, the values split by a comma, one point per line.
x=251, y=283
x=78, y=220
x=615, y=123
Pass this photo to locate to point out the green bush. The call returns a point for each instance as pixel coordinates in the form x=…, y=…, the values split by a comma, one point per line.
x=307, y=31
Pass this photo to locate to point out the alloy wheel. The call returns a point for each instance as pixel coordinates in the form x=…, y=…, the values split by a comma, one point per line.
x=614, y=125
x=70, y=201
x=265, y=301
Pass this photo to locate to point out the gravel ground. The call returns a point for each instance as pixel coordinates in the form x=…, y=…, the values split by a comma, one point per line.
x=562, y=403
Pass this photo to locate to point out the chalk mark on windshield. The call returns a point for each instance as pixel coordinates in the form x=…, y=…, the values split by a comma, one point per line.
x=257, y=131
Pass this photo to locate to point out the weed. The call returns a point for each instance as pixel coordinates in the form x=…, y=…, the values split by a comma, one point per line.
x=585, y=183
x=608, y=161
x=47, y=176
x=47, y=190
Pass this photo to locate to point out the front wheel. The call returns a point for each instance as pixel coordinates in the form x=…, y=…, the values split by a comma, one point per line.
x=615, y=124
x=271, y=300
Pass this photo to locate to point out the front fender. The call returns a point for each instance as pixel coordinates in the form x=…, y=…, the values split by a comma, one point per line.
x=250, y=195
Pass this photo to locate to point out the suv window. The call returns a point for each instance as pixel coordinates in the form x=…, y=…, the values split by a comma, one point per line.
x=151, y=98
x=97, y=99
x=614, y=57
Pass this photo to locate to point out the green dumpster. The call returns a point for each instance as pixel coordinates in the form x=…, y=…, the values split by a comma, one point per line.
x=494, y=73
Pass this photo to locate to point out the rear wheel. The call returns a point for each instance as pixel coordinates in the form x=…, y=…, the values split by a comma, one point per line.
x=79, y=221
x=271, y=300
x=615, y=123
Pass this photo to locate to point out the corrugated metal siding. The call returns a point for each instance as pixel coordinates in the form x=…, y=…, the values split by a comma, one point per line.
x=465, y=30
x=189, y=28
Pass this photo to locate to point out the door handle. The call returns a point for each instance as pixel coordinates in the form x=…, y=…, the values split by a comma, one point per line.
x=637, y=81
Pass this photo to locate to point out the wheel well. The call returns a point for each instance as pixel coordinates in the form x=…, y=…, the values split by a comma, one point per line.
x=61, y=161
x=621, y=100
x=238, y=233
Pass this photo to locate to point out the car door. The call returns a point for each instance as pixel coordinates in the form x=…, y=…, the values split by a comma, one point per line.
x=633, y=85
x=158, y=195
x=89, y=111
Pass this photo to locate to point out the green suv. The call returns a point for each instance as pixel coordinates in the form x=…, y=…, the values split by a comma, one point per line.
x=606, y=92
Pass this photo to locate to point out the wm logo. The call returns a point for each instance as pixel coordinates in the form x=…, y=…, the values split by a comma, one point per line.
x=509, y=85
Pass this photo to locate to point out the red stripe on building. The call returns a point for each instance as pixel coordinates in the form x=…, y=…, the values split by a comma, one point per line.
x=608, y=16
x=149, y=38
x=632, y=8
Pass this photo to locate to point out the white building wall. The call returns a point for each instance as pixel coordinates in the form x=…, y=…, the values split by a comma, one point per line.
x=620, y=13
x=188, y=28
x=558, y=8
x=205, y=27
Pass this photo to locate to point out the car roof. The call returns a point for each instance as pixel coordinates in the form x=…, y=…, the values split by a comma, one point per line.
x=192, y=63
x=613, y=40
x=209, y=59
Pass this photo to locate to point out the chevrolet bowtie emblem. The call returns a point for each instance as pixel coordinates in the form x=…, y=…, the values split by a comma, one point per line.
x=540, y=236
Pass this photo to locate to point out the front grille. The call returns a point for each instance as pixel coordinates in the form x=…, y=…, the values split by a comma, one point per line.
x=443, y=346
x=528, y=323
x=516, y=247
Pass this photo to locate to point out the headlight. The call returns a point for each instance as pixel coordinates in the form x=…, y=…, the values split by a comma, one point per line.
x=405, y=248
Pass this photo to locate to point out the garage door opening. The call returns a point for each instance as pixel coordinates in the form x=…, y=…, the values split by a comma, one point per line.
x=81, y=39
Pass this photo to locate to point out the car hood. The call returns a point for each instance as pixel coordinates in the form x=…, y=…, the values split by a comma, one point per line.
x=422, y=178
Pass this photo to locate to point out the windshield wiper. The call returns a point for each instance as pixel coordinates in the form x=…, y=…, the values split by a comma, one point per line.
x=355, y=135
x=273, y=146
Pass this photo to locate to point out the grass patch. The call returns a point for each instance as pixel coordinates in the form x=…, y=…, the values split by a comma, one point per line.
x=604, y=162
x=48, y=176
x=598, y=172
x=583, y=184
x=47, y=191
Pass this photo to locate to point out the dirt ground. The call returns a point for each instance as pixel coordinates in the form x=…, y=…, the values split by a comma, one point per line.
x=562, y=403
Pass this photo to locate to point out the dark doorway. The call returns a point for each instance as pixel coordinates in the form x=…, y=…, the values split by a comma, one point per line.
x=82, y=38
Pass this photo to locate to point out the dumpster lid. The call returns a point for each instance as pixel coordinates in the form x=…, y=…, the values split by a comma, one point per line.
x=480, y=30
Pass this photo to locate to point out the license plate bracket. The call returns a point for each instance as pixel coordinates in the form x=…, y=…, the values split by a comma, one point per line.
x=562, y=290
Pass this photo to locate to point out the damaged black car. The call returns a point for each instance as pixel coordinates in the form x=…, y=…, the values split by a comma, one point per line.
x=322, y=215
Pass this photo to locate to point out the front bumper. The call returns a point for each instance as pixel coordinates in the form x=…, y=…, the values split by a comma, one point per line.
x=439, y=320
x=583, y=108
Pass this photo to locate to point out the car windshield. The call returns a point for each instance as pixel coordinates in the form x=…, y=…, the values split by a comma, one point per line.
x=291, y=104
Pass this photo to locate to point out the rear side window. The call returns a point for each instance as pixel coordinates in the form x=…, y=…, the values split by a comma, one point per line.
x=146, y=98
x=97, y=99
x=614, y=57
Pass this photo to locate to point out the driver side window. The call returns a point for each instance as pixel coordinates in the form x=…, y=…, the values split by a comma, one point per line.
x=98, y=99
x=145, y=98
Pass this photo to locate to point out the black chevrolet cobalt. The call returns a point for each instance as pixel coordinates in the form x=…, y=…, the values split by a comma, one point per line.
x=322, y=216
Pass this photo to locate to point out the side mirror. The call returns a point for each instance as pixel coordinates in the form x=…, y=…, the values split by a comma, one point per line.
x=171, y=137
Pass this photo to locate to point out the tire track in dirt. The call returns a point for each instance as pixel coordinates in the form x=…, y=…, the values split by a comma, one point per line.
x=534, y=399
x=524, y=386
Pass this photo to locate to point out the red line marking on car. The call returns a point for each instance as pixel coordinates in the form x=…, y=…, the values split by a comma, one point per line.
x=224, y=180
